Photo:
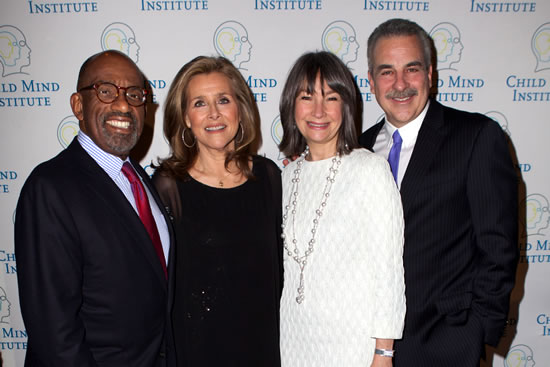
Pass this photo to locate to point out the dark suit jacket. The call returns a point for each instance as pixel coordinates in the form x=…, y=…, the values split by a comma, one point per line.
x=91, y=287
x=459, y=196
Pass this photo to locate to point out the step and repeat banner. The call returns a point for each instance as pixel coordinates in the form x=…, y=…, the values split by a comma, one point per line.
x=493, y=57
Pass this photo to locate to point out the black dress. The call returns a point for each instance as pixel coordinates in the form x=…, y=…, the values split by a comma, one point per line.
x=228, y=269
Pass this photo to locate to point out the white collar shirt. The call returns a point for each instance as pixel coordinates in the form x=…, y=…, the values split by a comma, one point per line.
x=409, y=133
x=112, y=165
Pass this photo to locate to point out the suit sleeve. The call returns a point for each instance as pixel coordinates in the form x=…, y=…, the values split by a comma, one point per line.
x=492, y=196
x=49, y=268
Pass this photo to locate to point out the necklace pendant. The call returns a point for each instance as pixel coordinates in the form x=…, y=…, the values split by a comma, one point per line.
x=220, y=183
x=301, y=289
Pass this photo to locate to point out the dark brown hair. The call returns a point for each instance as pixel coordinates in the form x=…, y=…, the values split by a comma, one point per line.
x=302, y=77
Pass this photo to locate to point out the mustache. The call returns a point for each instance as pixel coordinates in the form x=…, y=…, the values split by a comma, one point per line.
x=405, y=93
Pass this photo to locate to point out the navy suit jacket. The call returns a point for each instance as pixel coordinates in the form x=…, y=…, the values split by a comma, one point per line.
x=92, y=289
x=459, y=195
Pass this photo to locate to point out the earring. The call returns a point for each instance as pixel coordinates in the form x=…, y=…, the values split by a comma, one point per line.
x=242, y=134
x=185, y=143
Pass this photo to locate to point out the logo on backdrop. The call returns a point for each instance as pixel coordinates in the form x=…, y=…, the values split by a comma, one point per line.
x=519, y=356
x=119, y=36
x=178, y=5
x=540, y=44
x=396, y=5
x=452, y=87
x=277, y=135
x=478, y=6
x=339, y=37
x=5, y=306
x=15, y=54
x=276, y=5
x=231, y=41
x=67, y=130
x=61, y=7
x=501, y=119
x=446, y=37
x=537, y=217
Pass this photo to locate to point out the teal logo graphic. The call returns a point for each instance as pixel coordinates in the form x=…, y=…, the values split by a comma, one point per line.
x=446, y=37
x=5, y=306
x=537, y=217
x=15, y=53
x=231, y=41
x=519, y=356
x=501, y=119
x=119, y=36
x=339, y=38
x=67, y=130
x=540, y=44
x=277, y=134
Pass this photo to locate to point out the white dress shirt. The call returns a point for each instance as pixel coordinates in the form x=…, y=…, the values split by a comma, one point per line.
x=409, y=133
x=112, y=165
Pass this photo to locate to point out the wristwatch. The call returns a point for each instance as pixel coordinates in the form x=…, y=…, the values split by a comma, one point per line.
x=384, y=352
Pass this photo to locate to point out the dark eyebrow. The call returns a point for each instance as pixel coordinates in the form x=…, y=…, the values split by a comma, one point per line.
x=383, y=66
x=389, y=66
x=414, y=63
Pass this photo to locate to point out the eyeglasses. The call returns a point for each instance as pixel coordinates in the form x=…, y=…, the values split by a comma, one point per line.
x=108, y=93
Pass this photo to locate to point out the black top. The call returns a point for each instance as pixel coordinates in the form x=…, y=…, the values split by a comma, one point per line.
x=228, y=269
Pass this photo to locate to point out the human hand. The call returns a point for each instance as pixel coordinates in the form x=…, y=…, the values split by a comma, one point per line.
x=286, y=161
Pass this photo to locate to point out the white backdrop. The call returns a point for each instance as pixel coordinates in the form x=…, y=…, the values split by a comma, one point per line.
x=493, y=57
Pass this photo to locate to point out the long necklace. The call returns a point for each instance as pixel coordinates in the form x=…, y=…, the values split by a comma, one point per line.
x=294, y=253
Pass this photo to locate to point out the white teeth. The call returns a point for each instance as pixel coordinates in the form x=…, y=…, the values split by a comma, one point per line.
x=401, y=99
x=215, y=128
x=119, y=124
x=316, y=125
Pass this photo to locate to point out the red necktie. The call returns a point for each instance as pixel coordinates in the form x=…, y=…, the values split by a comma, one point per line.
x=144, y=210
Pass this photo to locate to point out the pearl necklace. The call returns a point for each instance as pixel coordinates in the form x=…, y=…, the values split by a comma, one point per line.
x=301, y=260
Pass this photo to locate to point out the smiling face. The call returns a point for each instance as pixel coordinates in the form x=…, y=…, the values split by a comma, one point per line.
x=400, y=79
x=212, y=112
x=318, y=116
x=114, y=127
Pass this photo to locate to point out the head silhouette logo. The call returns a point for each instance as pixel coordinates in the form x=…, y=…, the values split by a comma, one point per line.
x=119, y=36
x=519, y=356
x=67, y=130
x=540, y=44
x=340, y=39
x=501, y=119
x=5, y=306
x=277, y=134
x=231, y=41
x=15, y=53
x=537, y=216
x=446, y=37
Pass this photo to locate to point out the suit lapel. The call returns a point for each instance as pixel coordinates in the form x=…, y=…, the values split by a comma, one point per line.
x=172, y=251
x=114, y=200
x=156, y=197
x=429, y=140
x=368, y=138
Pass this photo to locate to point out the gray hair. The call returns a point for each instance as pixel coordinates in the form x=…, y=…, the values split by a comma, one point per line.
x=400, y=27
